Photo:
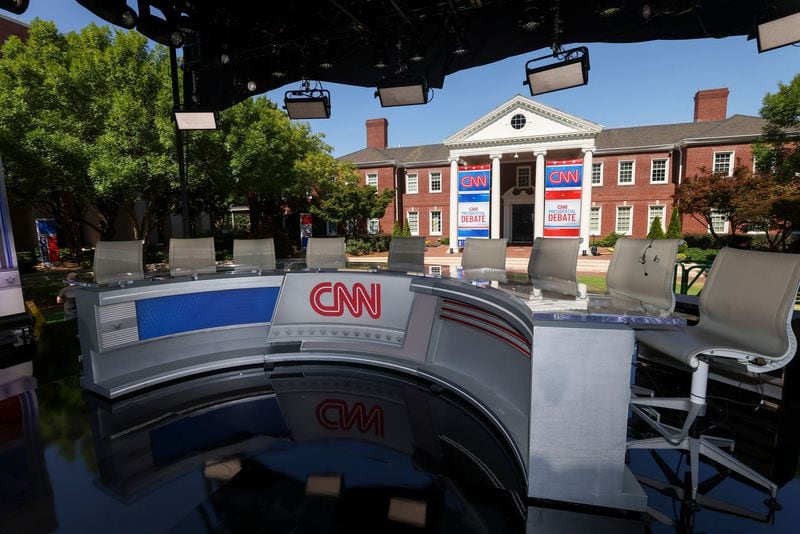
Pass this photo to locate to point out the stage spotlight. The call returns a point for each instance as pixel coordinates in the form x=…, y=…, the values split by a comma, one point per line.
x=402, y=92
x=307, y=103
x=570, y=69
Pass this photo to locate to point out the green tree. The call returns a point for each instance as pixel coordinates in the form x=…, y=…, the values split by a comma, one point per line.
x=272, y=161
x=344, y=201
x=655, y=232
x=83, y=119
x=674, y=227
x=778, y=151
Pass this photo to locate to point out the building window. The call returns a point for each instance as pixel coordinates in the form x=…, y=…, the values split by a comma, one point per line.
x=372, y=179
x=374, y=226
x=658, y=171
x=518, y=121
x=653, y=212
x=597, y=173
x=436, y=182
x=523, y=176
x=594, y=220
x=413, y=222
x=435, y=270
x=330, y=228
x=436, y=222
x=719, y=222
x=624, y=218
x=412, y=184
x=625, y=174
x=723, y=163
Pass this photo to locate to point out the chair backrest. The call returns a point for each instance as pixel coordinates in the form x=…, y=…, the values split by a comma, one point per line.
x=554, y=257
x=258, y=253
x=484, y=254
x=407, y=254
x=192, y=256
x=118, y=261
x=643, y=269
x=748, y=299
x=325, y=253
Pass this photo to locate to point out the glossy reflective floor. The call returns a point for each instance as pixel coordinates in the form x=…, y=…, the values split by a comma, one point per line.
x=325, y=449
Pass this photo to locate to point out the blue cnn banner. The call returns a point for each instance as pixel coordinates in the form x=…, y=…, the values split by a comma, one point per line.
x=562, y=198
x=474, y=186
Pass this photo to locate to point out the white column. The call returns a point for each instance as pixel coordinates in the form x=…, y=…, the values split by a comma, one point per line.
x=494, y=225
x=453, y=205
x=586, y=199
x=538, y=198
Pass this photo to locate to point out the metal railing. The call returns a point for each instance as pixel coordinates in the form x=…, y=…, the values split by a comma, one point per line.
x=688, y=273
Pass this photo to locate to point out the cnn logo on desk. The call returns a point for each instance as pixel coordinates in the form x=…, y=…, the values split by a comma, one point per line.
x=331, y=299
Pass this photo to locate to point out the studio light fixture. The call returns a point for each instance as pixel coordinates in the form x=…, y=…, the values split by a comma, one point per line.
x=402, y=91
x=308, y=103
x=570, y=69
x=18, y=7
x=116, y=12
x=774, y=32
x=196, y=119
x=158, y=29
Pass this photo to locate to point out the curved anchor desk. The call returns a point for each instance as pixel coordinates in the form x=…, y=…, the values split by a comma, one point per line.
x=562, y=410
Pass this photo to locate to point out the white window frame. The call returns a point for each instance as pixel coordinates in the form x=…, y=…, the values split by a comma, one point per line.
x=415, y=182
x=599, y=164
x=435, y=270
x=369, y=178
x=430, y=222
x=633, y=171
x=630, y=220
x=414, y=229
x=529, y=175
x=650, y=216
x=377, y=229
x=666, y=171
x=599, y=229
x=430, y=181
x=725, y=224
x=731, y=159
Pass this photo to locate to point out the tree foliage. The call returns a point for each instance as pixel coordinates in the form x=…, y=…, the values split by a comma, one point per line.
x=344, y=201
x=674, y=227
x=86, y=126
x=778, y=152
x=81, y=117
x=655, y=231
x=708, y=193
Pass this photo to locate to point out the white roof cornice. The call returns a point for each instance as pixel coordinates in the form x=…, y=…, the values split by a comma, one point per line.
x=578, y=125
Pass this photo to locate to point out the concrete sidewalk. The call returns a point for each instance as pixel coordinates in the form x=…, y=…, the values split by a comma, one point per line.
x=516, y=259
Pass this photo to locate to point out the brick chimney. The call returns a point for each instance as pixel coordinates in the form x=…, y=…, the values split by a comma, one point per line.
x=377, y=133
x=711, y=105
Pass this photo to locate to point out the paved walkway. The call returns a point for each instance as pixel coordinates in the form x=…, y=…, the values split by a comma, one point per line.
x=516, y=259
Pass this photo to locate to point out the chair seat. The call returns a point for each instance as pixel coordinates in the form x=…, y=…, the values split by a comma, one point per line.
x=685, y=344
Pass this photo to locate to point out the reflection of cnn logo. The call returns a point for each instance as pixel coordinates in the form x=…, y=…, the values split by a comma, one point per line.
x=335, y=414
x=331, y=299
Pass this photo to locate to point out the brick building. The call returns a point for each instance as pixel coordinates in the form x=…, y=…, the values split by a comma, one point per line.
x=629, y=173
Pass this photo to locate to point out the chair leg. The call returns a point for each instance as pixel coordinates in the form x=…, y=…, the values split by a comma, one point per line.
x=712, y=452
x=697, y=447
x=717, y=441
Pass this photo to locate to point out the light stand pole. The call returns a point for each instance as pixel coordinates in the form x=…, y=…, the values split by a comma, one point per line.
x=173, y=63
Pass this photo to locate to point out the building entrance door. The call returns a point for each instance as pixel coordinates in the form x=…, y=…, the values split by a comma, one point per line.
x=522, y=223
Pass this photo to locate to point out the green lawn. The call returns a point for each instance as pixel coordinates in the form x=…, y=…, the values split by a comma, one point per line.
x=596, y=283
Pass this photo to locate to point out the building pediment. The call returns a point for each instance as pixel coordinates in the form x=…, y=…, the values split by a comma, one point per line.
x=522, y=120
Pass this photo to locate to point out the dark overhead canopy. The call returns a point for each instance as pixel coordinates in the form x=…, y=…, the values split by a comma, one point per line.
x=228, y=44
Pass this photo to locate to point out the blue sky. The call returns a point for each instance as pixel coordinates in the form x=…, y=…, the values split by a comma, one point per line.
x=629, y=85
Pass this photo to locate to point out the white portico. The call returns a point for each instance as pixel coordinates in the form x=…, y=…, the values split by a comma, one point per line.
x=517, y=139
